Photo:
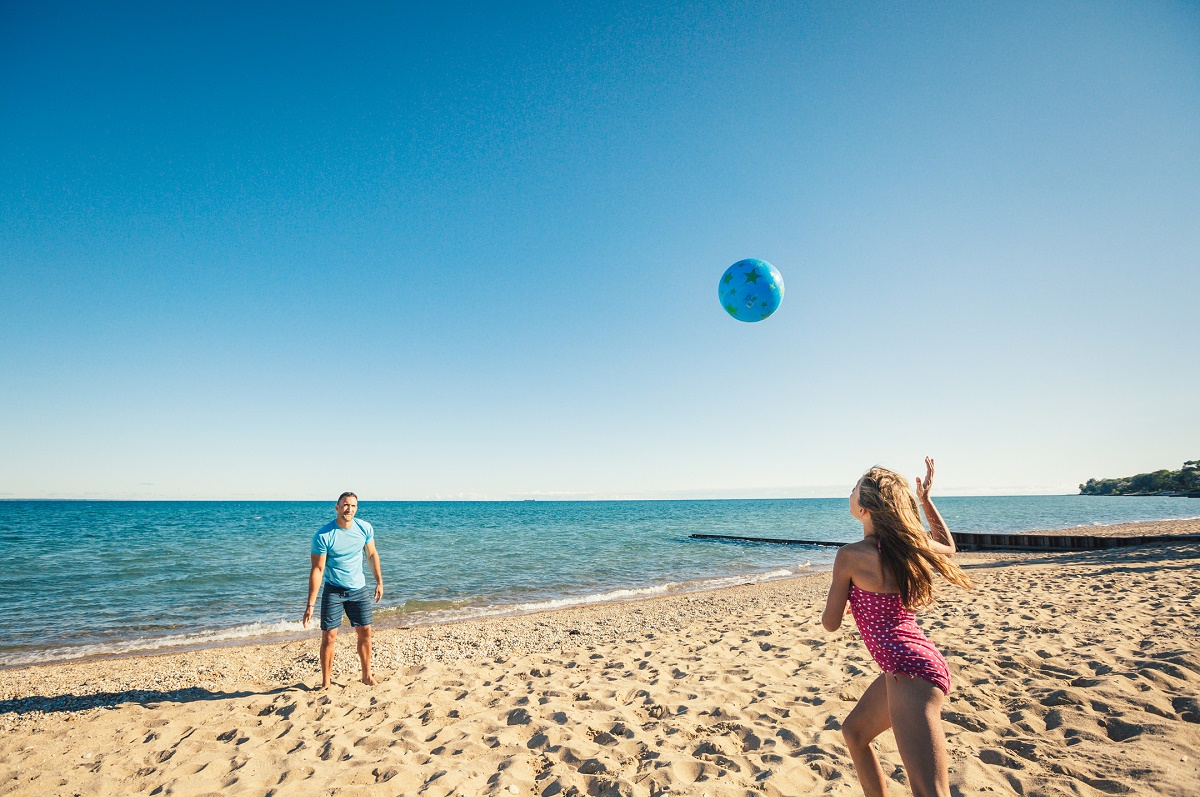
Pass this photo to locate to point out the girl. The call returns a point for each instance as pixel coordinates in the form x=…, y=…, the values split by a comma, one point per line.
x=884, y=577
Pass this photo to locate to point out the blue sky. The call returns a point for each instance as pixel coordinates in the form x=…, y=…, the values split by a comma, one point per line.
x=473, y=251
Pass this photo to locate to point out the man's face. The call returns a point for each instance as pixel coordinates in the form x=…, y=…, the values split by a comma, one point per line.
x=346, y=508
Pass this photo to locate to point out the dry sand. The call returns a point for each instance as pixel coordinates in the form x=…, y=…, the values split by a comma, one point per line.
x=1074, y=673
x=1147, y=528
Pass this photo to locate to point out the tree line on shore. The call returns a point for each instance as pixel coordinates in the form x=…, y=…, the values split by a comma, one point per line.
x=1185, y=481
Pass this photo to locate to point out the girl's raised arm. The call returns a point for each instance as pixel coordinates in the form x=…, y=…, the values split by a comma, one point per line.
x=942, y=541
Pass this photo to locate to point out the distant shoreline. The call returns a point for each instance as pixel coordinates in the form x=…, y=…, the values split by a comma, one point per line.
x=1182, y=483
x=1142, y=495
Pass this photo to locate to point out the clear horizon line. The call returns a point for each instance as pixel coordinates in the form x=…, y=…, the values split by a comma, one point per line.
x=564, y=496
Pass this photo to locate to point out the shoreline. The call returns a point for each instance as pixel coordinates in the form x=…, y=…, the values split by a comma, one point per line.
x=394, y=618
x=1070, y=676
x=195, y=659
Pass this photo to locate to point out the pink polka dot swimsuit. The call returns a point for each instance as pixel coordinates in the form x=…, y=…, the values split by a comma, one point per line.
x=894, y=639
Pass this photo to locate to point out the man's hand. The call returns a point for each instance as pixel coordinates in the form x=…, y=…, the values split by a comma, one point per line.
x=307, y=617
x=923, y=486
x=378, y=591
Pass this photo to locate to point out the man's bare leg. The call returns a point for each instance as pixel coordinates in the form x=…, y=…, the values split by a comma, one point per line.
x=364, y=653
x=328, y=638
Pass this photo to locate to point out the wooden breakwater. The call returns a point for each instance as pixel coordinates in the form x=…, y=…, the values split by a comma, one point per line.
x=766, y=539
x=966, y=541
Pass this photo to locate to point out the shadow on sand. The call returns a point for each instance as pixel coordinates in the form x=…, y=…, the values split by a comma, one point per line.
x=149, y=698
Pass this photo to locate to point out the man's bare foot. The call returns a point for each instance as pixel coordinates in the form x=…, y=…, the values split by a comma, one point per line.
x=369, y=680
x=324, y=685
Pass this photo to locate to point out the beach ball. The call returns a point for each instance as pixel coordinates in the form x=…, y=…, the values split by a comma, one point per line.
x=751, y=289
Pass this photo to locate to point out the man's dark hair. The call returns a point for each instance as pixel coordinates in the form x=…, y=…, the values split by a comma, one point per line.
x=347, y=495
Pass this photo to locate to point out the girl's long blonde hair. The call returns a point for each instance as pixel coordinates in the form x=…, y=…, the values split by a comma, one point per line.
x=903, y=542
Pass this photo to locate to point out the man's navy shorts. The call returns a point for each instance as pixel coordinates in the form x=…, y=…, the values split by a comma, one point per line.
x=356, y=602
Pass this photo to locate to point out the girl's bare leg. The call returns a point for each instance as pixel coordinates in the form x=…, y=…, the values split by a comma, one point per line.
x=916, y=711
x=870, y=717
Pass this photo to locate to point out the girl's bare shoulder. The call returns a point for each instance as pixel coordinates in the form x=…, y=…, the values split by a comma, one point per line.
x=862, y=561
x=861, y=548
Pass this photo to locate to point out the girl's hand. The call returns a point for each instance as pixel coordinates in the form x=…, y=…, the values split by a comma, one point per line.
x=923, y=486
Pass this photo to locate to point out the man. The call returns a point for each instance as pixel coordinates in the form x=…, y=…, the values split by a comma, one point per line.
x=337, y=555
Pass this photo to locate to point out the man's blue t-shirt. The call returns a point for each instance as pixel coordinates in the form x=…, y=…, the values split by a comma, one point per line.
x=343, y=550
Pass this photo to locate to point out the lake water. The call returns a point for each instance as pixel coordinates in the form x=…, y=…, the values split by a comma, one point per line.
x=110, y=577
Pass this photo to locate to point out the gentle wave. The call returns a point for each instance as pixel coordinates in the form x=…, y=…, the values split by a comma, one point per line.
x=199, y=639
x=439, y=616
x=252, y=632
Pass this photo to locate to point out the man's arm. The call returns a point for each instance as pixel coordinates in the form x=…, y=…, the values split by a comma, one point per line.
x=373, y=558
x=314, y=584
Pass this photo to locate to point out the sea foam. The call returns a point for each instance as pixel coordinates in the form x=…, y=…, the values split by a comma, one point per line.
x=198, y=639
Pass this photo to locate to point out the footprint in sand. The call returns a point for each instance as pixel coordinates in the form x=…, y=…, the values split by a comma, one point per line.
x=1119, y=730
x=1188, y=708
x=998, y=758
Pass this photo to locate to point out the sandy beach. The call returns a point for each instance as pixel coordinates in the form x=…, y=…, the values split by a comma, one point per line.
x=1074, y=674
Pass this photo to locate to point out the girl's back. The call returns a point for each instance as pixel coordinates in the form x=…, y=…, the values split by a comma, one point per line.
x=866, y=567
